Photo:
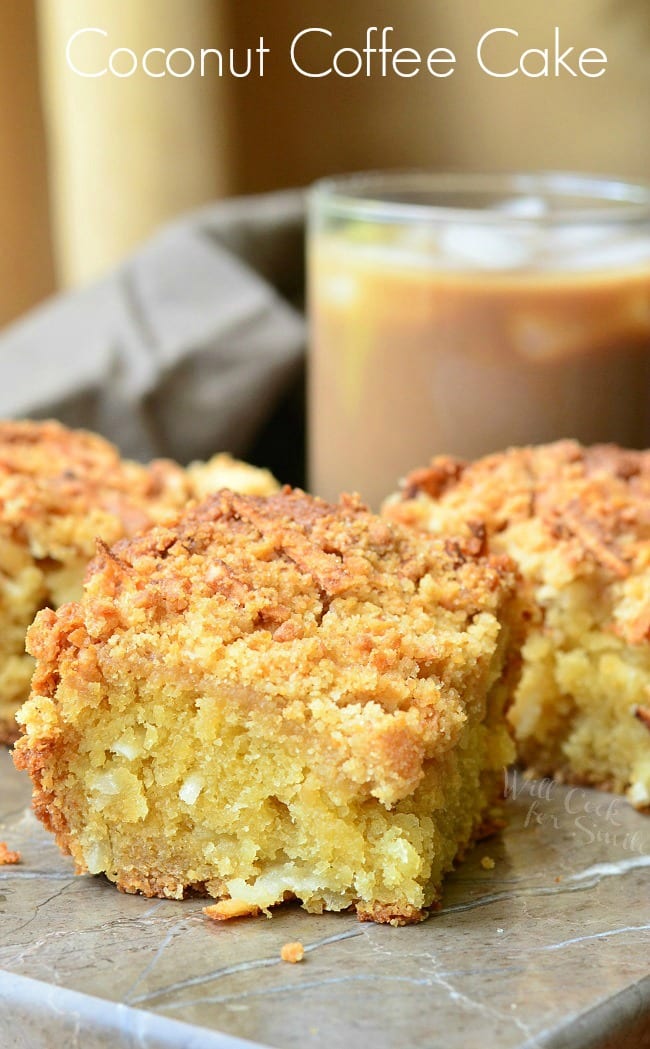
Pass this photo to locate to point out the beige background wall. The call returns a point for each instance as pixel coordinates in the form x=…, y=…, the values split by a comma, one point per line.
x=291, y=127
x=125, y=155
x=26, y=273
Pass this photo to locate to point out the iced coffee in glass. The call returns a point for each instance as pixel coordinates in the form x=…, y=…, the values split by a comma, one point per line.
x=462, y=314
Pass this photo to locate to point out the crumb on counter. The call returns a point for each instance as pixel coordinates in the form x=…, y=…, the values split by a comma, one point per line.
x=292, y=952
x=7, y=856
x=487, y=863
x=226, y=909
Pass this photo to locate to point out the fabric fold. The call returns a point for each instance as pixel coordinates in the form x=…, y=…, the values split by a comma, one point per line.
x=186, y=348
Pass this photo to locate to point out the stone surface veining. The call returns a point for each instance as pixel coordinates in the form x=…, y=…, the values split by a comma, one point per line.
x=548, y=947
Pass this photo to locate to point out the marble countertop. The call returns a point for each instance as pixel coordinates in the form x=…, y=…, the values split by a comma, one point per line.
x=548, y=949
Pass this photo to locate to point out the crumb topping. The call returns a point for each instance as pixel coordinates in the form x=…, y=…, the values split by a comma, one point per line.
x=63, y=487
x=60, y=488
x=589, y=508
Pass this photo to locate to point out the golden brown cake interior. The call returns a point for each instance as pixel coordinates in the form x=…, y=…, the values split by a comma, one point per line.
x=577, y=522
x=275, y=697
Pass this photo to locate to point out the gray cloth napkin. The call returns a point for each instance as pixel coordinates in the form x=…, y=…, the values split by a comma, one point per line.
x=185, y=348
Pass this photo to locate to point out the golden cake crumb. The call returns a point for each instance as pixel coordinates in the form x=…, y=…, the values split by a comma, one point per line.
x=272, y=698
x=487, y=863
x=226, y=909
x=7, y=856
x=292, y=952
x=577, y=522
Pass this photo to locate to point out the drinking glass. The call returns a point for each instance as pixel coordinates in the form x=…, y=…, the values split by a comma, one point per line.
x=464, y=313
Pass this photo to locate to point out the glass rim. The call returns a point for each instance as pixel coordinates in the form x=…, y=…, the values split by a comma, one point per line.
x=365, y=196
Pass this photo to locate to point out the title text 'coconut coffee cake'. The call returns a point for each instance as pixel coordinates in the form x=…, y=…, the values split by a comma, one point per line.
x=577, y=522
x=273, y=698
